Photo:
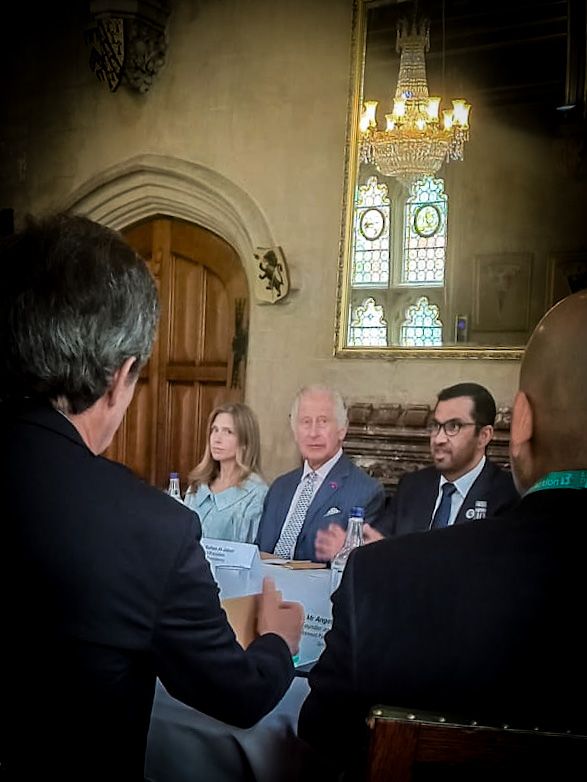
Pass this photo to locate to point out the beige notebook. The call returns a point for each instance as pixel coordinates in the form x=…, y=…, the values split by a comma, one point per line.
x=242, y=617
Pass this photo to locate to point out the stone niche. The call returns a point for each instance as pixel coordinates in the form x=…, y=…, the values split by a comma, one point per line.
x=390, y=439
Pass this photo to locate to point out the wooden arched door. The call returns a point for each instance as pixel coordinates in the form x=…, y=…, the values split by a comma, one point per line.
x=199, y=357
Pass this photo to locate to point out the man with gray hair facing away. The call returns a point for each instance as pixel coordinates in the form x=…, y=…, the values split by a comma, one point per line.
x=112, y=587
x=322, y=492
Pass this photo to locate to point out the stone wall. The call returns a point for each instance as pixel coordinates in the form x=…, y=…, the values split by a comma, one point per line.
x=257, y=92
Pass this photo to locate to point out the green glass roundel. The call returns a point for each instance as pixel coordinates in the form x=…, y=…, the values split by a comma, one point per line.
x=426, y=220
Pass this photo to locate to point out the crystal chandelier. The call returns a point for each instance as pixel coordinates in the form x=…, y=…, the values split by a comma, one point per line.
x=415, y=141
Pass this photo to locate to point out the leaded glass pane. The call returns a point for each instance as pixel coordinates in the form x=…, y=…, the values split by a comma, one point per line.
x=425, y=212
x=368, y=327
x=371, y=235
x=422, y=326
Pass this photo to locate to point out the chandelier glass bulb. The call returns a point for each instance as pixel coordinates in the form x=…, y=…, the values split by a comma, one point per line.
x=414, y=143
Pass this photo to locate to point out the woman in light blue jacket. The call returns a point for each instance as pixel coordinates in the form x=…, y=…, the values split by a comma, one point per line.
x=226, y=488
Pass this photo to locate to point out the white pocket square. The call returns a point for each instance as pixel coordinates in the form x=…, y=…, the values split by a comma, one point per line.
x=332, y=512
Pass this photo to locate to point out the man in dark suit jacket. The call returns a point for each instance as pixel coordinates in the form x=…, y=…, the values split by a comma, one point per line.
x=482, y=619
x=319, y=423
x=460, y=431
x=110, y=587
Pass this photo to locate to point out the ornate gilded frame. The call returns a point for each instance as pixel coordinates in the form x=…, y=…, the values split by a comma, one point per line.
x=341, y=350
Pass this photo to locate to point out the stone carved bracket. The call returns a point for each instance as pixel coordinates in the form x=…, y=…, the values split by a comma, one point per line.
x=128, y=42
x=389, y=439
x=272, y=278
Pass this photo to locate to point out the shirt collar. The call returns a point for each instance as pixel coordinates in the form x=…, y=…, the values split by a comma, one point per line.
x=464, y=483
x=227, y=497
x=324, y=469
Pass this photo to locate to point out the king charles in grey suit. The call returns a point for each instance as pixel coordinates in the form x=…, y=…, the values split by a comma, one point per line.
x=319, y=422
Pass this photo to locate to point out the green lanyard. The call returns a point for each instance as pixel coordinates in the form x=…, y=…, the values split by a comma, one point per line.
x=568, y=479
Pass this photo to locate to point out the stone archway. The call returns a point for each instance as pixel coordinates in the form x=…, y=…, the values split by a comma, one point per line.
x=174, y=212
x=149, y=185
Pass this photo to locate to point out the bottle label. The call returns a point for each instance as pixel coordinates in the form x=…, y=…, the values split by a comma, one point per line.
x=174, y=490
x=335, y=576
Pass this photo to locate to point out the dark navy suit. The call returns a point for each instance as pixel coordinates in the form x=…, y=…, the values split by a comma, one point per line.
x=411, y=508
x=481, y=619
x=345, y=486
x=110, y=590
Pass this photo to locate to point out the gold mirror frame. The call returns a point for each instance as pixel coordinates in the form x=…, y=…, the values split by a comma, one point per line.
x=351, y=170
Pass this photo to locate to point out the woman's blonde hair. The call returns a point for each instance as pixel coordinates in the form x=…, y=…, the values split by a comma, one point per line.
x=248, y=451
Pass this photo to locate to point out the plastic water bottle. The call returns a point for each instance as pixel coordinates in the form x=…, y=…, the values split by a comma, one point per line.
x=173, y=490
x=354, y=538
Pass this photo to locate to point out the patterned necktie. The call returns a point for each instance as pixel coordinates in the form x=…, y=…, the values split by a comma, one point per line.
x=442, y=514
x=289, y=534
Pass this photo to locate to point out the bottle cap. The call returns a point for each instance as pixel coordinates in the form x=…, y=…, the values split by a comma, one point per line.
x=173, y=475
x=358, y=511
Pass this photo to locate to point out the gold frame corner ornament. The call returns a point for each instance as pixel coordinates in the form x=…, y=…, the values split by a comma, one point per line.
x=351, y=168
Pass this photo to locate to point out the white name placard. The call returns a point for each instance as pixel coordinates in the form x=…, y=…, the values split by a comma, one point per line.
x=229, y=553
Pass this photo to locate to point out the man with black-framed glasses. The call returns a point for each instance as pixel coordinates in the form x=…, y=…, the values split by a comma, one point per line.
x=482, y=620
x=463, y=484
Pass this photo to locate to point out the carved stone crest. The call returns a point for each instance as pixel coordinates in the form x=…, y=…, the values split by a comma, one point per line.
x=106, y=42
x=127, y=42
x=272, y=278
x=145, y=54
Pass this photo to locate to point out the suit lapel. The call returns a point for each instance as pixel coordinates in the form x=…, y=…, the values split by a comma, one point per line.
x=329, y=487
x=324, y=498
x=423, y=507
x=413, y=505
x=470, y=509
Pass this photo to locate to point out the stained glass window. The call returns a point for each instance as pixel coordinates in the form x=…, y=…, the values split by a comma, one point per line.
x=399, y=242
x=368, y=326
x=424, y=250
x=371, y=235
x=422, y=326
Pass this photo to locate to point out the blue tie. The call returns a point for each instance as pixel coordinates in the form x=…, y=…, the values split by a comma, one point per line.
x=442, y=515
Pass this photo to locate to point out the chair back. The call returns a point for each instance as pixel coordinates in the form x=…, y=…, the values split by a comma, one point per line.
x=406, y=746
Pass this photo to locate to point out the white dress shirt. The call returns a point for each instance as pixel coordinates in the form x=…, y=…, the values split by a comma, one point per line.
x=462, y=486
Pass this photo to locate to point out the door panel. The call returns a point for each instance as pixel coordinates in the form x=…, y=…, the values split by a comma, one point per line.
x=188, y=319
x=133, y=441
x=216, y=315
x=204, y=306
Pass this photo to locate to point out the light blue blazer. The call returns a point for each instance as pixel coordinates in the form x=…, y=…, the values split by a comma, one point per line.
x=232, y=514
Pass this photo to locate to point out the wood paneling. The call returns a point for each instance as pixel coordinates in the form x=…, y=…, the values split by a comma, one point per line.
x=200, y=280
